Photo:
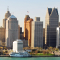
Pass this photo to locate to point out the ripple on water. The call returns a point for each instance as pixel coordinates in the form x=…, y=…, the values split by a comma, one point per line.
x=30, y=58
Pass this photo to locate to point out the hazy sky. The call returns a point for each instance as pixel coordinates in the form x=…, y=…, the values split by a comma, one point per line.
x=19, y=8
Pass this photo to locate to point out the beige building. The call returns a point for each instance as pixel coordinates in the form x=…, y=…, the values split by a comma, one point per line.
x=51, y=22
x=27, y=29
x=11, y=30
x=2, y=36
x=37, y=33
x=7, y=14
x=59, y=23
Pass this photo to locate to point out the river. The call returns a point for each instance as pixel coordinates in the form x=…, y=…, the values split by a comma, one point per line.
x=30, y=58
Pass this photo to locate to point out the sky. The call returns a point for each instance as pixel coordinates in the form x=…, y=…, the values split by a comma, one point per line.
x=19, y=8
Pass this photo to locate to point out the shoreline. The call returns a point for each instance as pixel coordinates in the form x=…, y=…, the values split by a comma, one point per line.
x=46, y=56
x=31, y=56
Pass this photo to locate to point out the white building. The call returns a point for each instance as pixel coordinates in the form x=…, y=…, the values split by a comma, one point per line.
x=18, y=45
x=58, y=37
x=37, y=33
x=11, y=30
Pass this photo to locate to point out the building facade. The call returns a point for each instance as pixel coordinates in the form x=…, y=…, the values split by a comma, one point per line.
x=43, y=37
x=18, y=45
x=59, y=23
x=18, y=32
x=21, y=34
x=51, y=22
x=27, y=29
x=37, y=33
x=2, y=36
x=11, y=30
x=25, y=43
x=7, y=14
x=58, y=37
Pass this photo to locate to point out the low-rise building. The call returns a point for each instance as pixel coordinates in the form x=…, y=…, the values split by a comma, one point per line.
x=2, y=36
x=18, y=45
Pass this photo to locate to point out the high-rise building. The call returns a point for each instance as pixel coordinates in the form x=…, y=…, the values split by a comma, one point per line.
x=37, y=33
x=11, y=30
x=58, y=37
x=27, y=29
x=7, y=14
x=51, y=22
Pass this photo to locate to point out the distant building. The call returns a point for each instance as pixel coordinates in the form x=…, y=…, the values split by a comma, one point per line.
x=7, y=14
x=37, y=33
x=2, y=34
x=18, y=45
x=21, y=34
x=58, y=37
x=20, y=29
x=18, y=32
x=51, y=22
x=59, y=23
x=11, y=30
x=25, y=43
x=27, y=29
x=43, y=37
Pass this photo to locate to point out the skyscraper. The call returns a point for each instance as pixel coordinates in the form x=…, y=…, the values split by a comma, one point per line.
x=37, y=33
x=11, y=30
x=51, y=22
x=7, y=14
x=27, y=29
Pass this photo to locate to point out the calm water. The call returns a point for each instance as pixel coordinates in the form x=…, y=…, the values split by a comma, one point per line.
x=32, y=58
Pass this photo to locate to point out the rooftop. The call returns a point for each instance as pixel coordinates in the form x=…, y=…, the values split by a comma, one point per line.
x=12, y=16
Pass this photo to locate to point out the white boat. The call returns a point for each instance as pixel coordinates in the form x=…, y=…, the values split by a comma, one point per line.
x=20, y=54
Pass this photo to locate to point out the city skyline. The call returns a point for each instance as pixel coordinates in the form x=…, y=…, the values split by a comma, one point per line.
x=36, y=8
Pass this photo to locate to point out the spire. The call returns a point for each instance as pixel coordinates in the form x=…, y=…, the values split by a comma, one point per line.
x=7, y=14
